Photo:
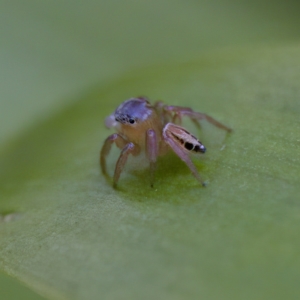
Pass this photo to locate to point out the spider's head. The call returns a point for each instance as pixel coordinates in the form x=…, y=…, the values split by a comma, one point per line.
x=132, y=111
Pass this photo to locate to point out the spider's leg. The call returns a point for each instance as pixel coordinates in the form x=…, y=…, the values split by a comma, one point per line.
x=158, y=104
x=114, y=138
x=181, y=142
x=165, y=115
x=130, y=148
x=179, y=112
x=151, y=152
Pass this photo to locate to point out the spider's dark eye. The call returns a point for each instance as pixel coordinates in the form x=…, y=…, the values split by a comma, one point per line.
x=131, y=121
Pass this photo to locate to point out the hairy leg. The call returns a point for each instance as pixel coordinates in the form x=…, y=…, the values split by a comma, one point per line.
x=151, y=152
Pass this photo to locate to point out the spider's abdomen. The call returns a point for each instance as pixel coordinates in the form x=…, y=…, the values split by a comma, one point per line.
x=184, y=138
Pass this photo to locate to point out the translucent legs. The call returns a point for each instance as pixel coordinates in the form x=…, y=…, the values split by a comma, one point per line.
x=151, y=152
x=179, y=112
x=127, y=148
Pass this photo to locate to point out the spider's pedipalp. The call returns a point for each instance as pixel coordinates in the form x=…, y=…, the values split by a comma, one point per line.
x=110, y=121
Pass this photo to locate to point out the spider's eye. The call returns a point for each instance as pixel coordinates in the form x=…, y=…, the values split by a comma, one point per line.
x=131, y=121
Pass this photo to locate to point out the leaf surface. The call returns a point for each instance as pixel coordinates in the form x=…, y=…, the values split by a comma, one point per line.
x=75, y=237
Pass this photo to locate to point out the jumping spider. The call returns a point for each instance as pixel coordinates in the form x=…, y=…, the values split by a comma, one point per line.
x=151, y=128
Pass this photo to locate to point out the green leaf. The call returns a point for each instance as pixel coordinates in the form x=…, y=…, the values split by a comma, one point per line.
x=11, y=289
x=75, y=237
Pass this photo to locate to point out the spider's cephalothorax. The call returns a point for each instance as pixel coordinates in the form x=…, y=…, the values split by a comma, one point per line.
x=133, y=110
x=151, y=128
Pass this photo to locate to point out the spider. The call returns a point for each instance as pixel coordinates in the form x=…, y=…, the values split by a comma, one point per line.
x=154, y=129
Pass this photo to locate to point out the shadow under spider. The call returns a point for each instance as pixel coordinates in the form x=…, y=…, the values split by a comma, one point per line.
x=172, y=178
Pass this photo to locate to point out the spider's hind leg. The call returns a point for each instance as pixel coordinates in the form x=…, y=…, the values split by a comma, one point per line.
x=180, y=111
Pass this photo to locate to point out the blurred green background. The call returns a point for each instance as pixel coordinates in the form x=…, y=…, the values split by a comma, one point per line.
x=52, y=51
x=66, y=234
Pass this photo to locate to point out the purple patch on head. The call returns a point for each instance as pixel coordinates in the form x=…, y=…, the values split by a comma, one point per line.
x=133, y=109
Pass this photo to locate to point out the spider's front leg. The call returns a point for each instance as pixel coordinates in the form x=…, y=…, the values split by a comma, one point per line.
x=180, y=111
x=130, y=148
x=151, y=152
x=121, y=143
x=183, y=143
x=114, y=138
